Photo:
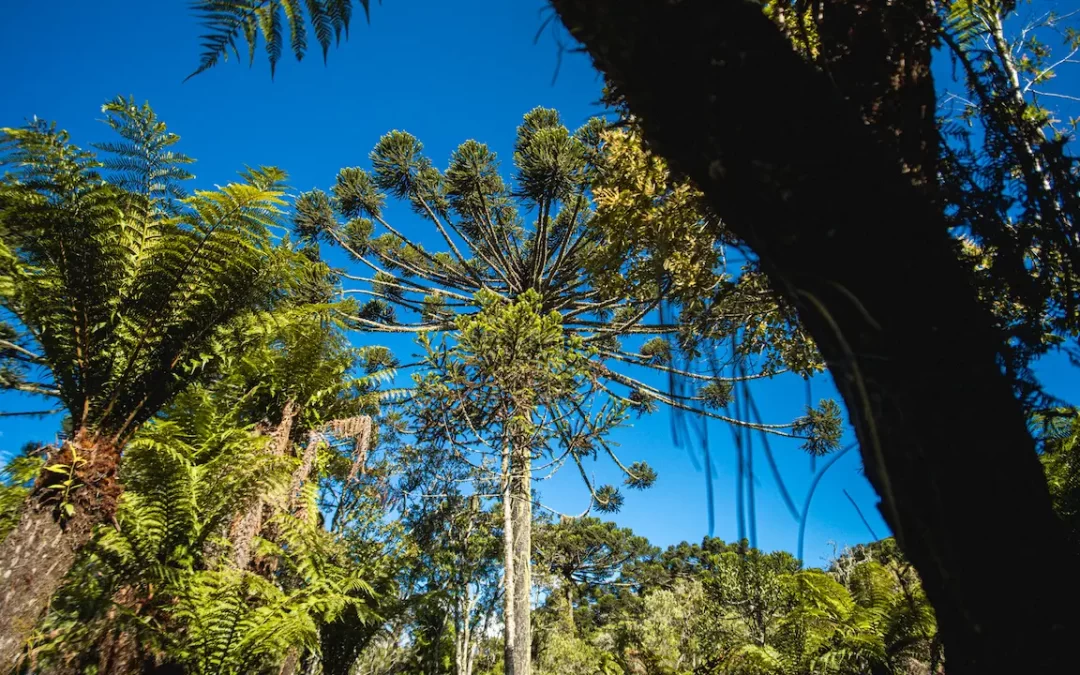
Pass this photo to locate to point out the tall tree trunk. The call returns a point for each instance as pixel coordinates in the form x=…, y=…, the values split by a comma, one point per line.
x=463, y=636
x=37, y=555
x=509, y=606
x=859, y=247
x=568, y=598
x=517, y=550
x=521, y=487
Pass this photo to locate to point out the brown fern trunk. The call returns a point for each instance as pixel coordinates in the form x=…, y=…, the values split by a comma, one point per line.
x=37, y=555
x=118, y=651
x=836, y=214
x=247, y=524
x=119, y=655
x=291, y=663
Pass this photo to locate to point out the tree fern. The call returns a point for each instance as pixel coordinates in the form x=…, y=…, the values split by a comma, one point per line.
x=162, y=578
x=120, y=298
x=237, y=622
x=125, y=305
x=156, y=574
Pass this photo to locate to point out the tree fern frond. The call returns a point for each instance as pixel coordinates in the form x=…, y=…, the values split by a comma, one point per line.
x=269, y=16
x=228, y=21
x=143, y=160
x=294, y=14
x=322, y=23
x=119, y=299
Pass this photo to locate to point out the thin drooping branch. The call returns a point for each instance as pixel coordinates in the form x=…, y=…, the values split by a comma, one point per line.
x=679, y=403
x=641, y=360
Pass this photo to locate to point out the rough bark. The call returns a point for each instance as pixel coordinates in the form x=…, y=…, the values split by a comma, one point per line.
x=34, y=559
x=521, y=512
x=860, y=248
x=119, y=655
x=517, y=554
x=292, y=661
x=247, y=525
x=37, y=555
x=509, y=606
x=119, y=651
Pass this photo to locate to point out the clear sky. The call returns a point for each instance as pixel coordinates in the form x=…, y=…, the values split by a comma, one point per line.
x=445, y=72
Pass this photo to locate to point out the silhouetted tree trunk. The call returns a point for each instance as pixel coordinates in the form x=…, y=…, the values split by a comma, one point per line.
x=845, y=225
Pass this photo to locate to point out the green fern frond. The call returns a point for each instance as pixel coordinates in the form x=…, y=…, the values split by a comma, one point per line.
x=118, y=299
x=142, y=162
x=231, y=21
x=269, y=18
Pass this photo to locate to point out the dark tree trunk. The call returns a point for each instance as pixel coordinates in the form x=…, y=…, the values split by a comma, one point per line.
x=837, y=214
x=37, y=555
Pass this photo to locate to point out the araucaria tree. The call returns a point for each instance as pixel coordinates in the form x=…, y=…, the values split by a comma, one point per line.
x=515, y=386
x=534, y=367
x=127, y=295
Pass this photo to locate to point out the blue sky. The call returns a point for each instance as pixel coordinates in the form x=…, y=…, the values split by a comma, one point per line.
x=445, y=72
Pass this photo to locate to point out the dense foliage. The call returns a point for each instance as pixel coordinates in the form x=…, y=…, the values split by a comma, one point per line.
x=267, y=522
